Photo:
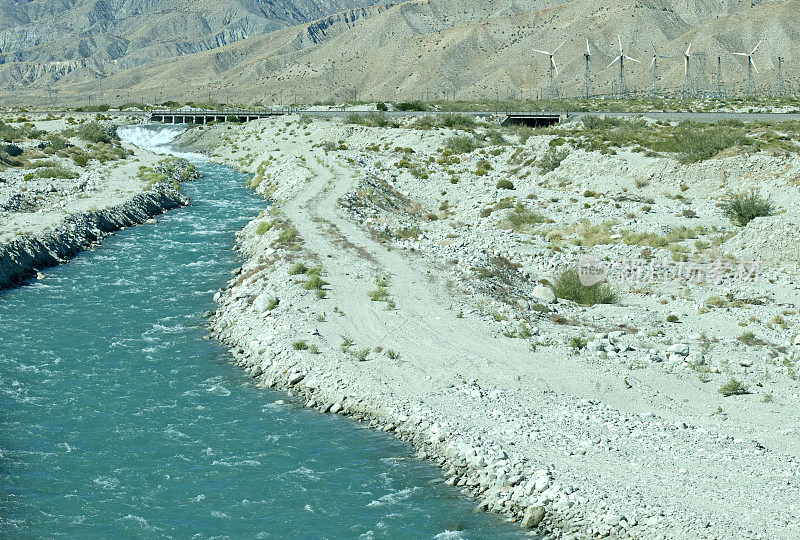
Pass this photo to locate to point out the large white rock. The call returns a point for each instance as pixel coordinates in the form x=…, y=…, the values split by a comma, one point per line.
x=533, y=516
x=544, y=294
x=679, y=348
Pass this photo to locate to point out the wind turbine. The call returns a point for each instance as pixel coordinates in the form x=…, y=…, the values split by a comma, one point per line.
x=622, y=91
x=552, y=90
x=587, y=76
x=751, y=89
x=654, y=67
x=687, y=82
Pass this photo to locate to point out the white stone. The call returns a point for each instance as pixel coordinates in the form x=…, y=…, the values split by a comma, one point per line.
x=544, y=294
x=679, y=348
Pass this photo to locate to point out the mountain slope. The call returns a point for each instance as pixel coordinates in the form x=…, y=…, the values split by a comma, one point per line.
x=51, y=39
x=468, y=49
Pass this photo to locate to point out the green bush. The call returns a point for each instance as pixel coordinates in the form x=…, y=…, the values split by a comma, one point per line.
x=297, y=268
x=58, y=171
x=733, y=388
x=456, y=121
x=262, y=228
x=314, y=283
x=505, y=184
x=287, y=235
x=744, y=207
x=300, y=345
x=569, y=287
x=411, y=106
x=461, y=144
x=552, y=159
x=92, y=132
x=522, y=217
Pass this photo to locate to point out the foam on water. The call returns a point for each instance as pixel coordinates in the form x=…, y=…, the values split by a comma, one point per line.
x=118, y=419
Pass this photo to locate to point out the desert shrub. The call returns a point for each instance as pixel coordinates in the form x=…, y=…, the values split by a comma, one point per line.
x=733, y=388
x=552, y=159
x=9, y=133
x=314, y=283
x=744, y=207
x=456, y=121
x=297, y=268
x=57, y=171
x=300, y=345
x=80, y=159
x=749, y=338
x=287, y=235
x=381, y=107
x=505, y=184
x=577, y=342
x=522, y=217
x=262, y=228
x=361, y=354
x=569, y=287
x=411, y=106
x=92, y=132
x=461, y=144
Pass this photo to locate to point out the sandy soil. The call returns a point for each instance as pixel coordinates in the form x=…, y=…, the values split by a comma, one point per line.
x=437, y=320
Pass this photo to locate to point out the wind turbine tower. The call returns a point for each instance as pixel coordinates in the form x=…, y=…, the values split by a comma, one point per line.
x=587, y=74
x=622, y=90
x=687, y=81
x=780, y=89
x=552, y=69
x=654, y=66
x=751, y=87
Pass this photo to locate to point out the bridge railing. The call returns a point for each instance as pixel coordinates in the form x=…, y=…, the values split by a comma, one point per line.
x=225, y=112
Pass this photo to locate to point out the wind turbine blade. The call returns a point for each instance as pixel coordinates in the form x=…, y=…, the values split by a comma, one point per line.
x=756, y=47
x=740, y=54
x=632, y=59
x=555, y=67
x=562, y=43
x=685, y=66
x=654, y=47
x=652, y=62
x=588, y=52
x=620, y=44
x=543, y=52
x=687, y=49
x=613, y=62
x=754, y=65
x=661, y=56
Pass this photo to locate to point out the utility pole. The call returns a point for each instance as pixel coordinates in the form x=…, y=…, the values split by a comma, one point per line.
x=720, y=92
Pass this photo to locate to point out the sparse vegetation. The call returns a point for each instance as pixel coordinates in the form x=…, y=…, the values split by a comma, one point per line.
x=505, y=184
x=569, y=287
x=551, y=160
x=733, y=388
x=744, y=207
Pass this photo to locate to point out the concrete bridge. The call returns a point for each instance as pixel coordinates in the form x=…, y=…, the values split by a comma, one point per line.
x=202, y=116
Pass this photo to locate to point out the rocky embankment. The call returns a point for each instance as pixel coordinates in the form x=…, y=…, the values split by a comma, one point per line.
x=24, y=256
x=408, y=287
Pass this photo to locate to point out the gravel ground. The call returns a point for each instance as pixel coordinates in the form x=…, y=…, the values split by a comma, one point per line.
x=437, y=320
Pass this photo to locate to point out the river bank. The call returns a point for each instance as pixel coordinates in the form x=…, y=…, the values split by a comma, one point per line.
x=407, y=288
x=66, y=183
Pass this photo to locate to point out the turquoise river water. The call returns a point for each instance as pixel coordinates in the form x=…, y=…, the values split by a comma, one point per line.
x=118, y=420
